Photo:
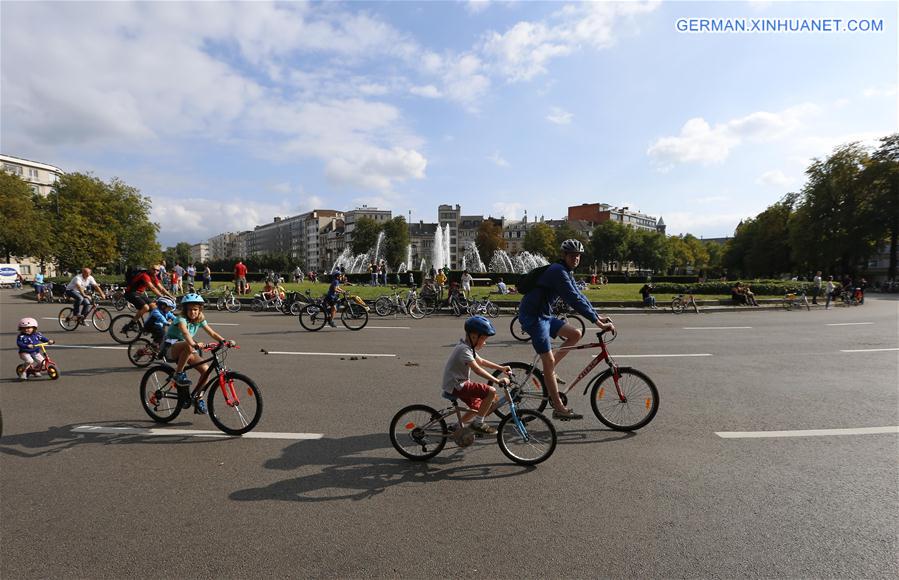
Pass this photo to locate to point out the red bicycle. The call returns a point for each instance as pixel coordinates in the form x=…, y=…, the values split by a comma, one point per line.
x=47, y=366
x=622, y=398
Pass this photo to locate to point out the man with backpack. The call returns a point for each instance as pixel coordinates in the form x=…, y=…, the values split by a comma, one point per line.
x=139, y=281
x=541, y=287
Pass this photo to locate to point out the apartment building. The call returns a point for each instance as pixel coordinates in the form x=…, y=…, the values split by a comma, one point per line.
x=597, y=213
x=199, y=253
x=421, y=238
x=373, y=213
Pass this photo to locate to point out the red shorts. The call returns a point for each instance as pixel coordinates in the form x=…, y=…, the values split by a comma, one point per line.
x=473, y=393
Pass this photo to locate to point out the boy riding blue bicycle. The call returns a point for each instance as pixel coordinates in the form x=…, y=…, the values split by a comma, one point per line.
x=481, y=398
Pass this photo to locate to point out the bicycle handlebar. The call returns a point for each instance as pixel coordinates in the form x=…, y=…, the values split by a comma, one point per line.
x=213, y=346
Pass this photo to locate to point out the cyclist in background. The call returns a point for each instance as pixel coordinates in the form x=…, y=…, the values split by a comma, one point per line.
x=77, y=289
x=331, y=297
x=536, y=317
x=140, y=283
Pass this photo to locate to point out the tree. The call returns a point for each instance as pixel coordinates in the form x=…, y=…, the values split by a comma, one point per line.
x=681, y=253
x=24, y=231
x=83, y=236
x=396, y=240
x=881, y=176
x=177, y=254
x=649, y=250
x=489, y=239
x=541, y=239
x=365, y=235
x=135, y=233
x=609, y=242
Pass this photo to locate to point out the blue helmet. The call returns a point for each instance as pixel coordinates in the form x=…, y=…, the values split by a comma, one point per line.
x=191, y=299
x=479, y=325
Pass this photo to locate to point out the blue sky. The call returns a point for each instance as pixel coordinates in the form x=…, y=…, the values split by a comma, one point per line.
x=227, y=114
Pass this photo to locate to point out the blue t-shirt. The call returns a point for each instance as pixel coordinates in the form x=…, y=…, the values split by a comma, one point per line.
x=192, y=327
x=27, y=343
x=557, y=281
x=38, y=278
x=158, y=319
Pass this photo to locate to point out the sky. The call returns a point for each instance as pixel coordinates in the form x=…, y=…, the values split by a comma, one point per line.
x=228, y=114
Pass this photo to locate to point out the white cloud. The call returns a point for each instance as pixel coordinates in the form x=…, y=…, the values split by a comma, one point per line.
x=881, y=91
x=429, y=91
x=704, y=223
x=476, y=6
x=775, y=177
x=196, y=219
x=711, y=199
x=507, y=209
x=559, y=116
x=497, y=159
x=699, y=142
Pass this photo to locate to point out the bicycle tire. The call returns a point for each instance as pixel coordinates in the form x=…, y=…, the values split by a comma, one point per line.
x=313, y=318
x=677, y=306
x=257, y=305
x=492, y=310
x=220, y=303
x=296, y=308
x=121, y=330
x=53, y=372
x=67, y=319
x=101, y=319
x=232, y=304
x=639, y=408
x=228, y=402
x=383, y=306
x=158, y=381
x=416, y=310
x=120, y=304
x=536, y=446
x=354, y=316
x=517, y=331
x=414, y=442
x=531, y=395
x=141, y=352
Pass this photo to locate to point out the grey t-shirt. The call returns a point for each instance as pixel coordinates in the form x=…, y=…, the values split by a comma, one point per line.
x=456, y=371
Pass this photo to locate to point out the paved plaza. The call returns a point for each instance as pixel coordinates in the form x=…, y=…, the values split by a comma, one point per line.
x=774, y=453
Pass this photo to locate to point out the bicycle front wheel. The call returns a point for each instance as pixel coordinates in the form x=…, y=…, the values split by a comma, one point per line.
x=677, y=305
x=416, y=310
x=529, y=440
x=232, y=304
x=141, y=352
x=257, y=305
x=124, y=329
x=526, y=387
x=120, y=304
x=383, y=306
x=67, y=319
x=312, y=318
x=492, y=310
x=101, y=319
x=235, y=404
x=517, y=331
x=354, y=316
x=633, y=409
x=159, y=395
x=418, y=432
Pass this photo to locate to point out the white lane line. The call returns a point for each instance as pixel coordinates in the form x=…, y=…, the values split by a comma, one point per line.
x=329, y=353
x=847, y=323
x=190, y=433
x=872, y=350
x=715, y=327
x=805, y=433
x=377, y=328
x=87, y=346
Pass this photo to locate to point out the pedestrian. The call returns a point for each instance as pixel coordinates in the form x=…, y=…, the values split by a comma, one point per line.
x=240, y=278
x=373, y=272
x=466, y=284
x=191, y=275
x=816, y=288
x=829, y=289
x=207, y=277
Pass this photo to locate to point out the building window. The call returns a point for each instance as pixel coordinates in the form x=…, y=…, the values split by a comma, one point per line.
x=26, y=270
x=14, y=169
x=33, y=173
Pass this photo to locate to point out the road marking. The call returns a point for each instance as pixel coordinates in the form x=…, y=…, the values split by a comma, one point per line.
x=190, y=433
x=847, y=323
x=87, y=346
x=871, y=350
x=328, y=353
x=659, y=355
x=805, y=433
x=715, y=327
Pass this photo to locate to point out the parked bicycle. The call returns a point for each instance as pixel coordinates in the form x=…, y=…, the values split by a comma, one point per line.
x=681, y=302
x=47, y=366
x=295, y=301
x=228, y=300
x=560, y=310
x=796, y=300
x=420, y=432
x=396, y=304
x=271, y=302
x=97, y=316
x=352, y=309
x=233, y=400
x=622, y=398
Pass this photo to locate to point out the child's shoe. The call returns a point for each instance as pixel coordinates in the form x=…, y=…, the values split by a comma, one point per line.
x=200, y=408
x=23, y=376
x=483, y=428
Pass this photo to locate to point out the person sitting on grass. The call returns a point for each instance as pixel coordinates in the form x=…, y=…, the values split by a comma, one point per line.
x=501, y=287
x=737, y=295
x=648, y=298
x=463, y=360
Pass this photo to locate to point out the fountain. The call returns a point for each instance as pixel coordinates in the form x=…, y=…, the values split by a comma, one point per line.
x=471, y=259
x=358, y=264
x=440, y=254
x=520, y=263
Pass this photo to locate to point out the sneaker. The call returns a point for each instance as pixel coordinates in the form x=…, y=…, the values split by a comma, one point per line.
x=23, y=377
x=483, y=428
x=200, y=408
x=567, y=415
x=331, y=324
x=182, y=380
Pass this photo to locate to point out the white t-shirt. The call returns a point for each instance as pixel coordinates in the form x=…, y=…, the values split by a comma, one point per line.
x=466, y=281
x=85, y=283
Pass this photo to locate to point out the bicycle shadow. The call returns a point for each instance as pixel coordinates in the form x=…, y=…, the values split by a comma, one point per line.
x=347, y=476
x=589, y=436
x=57, y=439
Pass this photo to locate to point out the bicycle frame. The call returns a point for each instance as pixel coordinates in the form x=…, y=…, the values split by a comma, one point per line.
x=456, y=410
x=603, y=356
x=227, y=387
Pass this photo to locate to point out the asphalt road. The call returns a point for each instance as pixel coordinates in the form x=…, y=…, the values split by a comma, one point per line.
x=672, y=500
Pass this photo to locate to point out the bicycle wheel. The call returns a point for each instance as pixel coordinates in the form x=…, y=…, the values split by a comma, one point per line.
x=528, y=441
x=677, y=305
x=67, y=319
x=142, y=352
x=492, y=310
x=220, y=303
x=124, y=329
x=418, y=432
x=416, y=310
x=296, y=308
x=158, y=394
x=232, y=304
x=575, y=321
x=101, y=319
x=312, y=317
x=430, y=304
x=120, y=303
x=235, y=405
x=383, y=306
x=526, y=387
x=517, y=331
x=52, y=372
x=640, y=404
x=354, y=316
x=257, y=305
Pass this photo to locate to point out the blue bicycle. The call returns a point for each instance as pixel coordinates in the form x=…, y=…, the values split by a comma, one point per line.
x=420, y=432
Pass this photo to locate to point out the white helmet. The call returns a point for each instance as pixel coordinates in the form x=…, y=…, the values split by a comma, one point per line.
x=572, y=246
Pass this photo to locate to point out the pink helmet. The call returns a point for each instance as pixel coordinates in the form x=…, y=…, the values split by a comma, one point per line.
x=26, y=322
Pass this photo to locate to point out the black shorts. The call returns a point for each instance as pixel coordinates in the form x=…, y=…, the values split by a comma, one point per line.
x=137, y=299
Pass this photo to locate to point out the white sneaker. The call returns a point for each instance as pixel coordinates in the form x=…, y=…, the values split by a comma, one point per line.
x=23, y=377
